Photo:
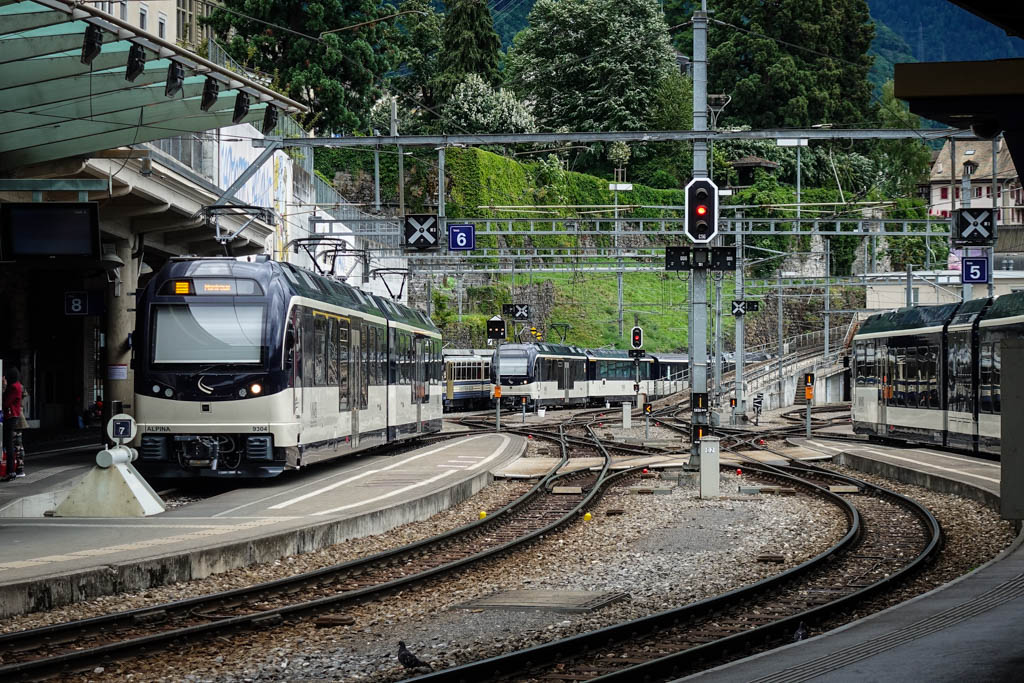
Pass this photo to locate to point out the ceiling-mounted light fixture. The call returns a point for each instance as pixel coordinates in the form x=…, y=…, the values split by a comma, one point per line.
x=269, y=119
x=241, y=106
x=175, y=79
x=211, y=89
x=136, y=62
x=92, y=43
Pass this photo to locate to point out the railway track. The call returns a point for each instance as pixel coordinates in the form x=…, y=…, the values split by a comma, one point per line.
x=78, y=645
x=889, y=537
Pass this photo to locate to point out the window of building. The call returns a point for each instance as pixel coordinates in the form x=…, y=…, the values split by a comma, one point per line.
x=124, y=10
x=977, y=191
x=143, y=14
x=988, y=190
x=944, y=193
x=958, y=193
x=161, y=26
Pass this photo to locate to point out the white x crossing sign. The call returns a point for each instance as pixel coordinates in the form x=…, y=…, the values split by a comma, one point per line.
x=739, y=307
x=974, y=226
x=421, y=231
x=521, y=312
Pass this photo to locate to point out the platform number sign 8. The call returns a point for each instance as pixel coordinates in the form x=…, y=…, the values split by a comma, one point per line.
x=76, y=303
x=461, y=236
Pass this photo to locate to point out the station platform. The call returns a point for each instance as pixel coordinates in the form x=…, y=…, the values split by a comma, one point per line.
x=969, y=629
x=49, y=561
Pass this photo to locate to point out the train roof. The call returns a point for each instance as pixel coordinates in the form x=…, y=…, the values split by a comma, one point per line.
x=671, y=357
x=1006, y=306
x=544, y=348
x=967, y=313
x=908, y=319
x=300, y=281
x=613, y=354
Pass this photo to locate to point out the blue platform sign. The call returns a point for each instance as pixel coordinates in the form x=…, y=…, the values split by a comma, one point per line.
x=974, y=270
x=461, y=236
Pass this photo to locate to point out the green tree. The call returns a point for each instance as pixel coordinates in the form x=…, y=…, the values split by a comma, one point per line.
x=591, y=65
x=792, y=63
x=471, y=45
x=336, y=76
x=901, y=163
x=414, y=82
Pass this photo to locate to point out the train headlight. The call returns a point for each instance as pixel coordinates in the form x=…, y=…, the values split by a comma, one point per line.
x=168, y=392
x=156, y=388
x=256, y=389
x=242, y=392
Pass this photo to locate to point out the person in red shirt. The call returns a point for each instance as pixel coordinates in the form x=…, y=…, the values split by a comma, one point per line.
x=13, y=395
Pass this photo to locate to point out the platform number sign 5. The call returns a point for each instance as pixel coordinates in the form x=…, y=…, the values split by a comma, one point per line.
x=974, y=270
x=461, y=236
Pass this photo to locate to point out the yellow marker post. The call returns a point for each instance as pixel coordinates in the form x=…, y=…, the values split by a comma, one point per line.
x=587, y=517
x=483, y=513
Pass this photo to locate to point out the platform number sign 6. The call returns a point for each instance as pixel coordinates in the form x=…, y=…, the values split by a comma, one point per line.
x=461, y=236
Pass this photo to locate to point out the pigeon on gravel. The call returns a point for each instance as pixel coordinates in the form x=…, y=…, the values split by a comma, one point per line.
x=408, y=659
x=801, y=632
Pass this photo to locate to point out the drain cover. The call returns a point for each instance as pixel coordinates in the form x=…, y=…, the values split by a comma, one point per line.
x=551, y=601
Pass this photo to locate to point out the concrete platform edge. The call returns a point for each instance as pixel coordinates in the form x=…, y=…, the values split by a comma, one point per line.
x=58, y=590
x=932, y=482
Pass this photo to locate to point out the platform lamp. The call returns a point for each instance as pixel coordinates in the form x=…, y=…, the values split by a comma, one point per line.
x=269, y=119
x=241, y=107
x=92, y=43
x=175, y=79
x=211, y=90
x=136, y=62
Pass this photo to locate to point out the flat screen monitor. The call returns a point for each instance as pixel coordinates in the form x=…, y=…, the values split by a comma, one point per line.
x=49, y=230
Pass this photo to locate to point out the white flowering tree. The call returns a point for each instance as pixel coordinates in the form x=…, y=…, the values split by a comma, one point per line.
x=476, y=107
x=591, y=64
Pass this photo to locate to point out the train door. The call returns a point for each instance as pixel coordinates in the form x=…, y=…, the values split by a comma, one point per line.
x=355, y=379
x=569, y=378
x=293, y=360
x=884, y=376
x=419, y=378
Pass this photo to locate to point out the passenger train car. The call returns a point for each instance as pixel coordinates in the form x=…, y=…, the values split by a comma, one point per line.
x=931, y=374
x=467, y=379
x=557, y=375
x=248, y=369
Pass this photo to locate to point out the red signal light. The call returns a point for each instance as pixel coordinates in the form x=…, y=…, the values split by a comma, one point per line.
x=702, y=210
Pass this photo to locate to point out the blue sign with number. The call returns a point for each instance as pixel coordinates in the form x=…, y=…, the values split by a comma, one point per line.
x=974, y=270
x=123, y=429
x=461, y=236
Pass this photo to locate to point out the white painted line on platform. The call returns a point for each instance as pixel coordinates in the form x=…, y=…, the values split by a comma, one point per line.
x=936, y=467
x=404, y=461
x=958, y=458
x=497, y=451
x=822, y=445
x=457, y=467
x=390, y=494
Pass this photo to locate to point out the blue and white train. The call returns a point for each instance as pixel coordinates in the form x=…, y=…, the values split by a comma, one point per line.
x=249, y=369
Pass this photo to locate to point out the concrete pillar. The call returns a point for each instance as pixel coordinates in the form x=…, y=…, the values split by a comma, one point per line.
x=627, y=415
x=119, y=381
x=709, y=453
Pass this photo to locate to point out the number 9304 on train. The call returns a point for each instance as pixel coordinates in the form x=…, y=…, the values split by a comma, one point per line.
x=250, y=369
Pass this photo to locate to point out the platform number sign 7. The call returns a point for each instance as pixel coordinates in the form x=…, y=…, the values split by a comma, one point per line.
x=122, y=429
x=461, y=236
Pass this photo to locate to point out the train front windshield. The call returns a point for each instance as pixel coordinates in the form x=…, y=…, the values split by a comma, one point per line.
x=517, y=365
x=208, y=333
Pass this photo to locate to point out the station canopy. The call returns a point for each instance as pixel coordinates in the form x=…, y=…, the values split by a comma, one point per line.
x=75, y=80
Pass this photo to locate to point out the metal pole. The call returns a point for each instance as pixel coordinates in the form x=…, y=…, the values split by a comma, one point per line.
x=718, y=337
x=808, y=401
x=376, y=174
x=740, y=409
x=440, y=189
x=620, y=260
x=698, y=279
x=910, y=282
x=798, y=178
x=828, y=293
x=401, y=159
x=965, y=203
x=990, y=252
x=778, y=314
x=497, y=383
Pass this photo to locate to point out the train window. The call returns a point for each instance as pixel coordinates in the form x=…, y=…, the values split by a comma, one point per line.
x=985, y=376
x=996, y=383
x=859, y=363
x=933, y=380
x=870, y=364
x=332, y=353
x=343, y=365
x=365, y=358
x=319, y=350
